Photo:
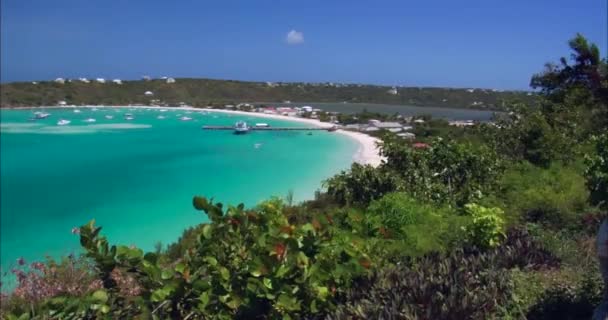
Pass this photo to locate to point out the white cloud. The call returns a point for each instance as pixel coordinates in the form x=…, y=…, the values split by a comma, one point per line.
x=295, y=37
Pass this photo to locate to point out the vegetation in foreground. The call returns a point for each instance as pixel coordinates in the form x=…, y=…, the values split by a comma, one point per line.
x=494, y=222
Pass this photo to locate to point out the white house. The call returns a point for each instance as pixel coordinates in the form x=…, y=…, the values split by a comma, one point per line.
x=419, y=121
x=387, y=125
x=117, y=81
x=170, y=80
x=60, y=80
x=470, y=90
x=148, y=93
x=393, y=91
x=407, y=135
x=34, y=82
x=146, y=78
x=62, y=103
x=307, y=108
x=100, y=80
x=85, y=80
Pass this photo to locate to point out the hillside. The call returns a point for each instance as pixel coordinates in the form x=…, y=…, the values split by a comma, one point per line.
x=202, y=92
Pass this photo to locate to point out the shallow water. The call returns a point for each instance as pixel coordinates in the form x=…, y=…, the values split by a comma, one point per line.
x=137, y=178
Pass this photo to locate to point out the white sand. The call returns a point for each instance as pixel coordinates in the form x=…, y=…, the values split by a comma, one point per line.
x=367, y=153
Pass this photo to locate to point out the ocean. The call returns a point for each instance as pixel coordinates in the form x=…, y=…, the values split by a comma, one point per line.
x=137, y=178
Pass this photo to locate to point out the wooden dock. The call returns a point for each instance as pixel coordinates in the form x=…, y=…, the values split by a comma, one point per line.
x=271, y=128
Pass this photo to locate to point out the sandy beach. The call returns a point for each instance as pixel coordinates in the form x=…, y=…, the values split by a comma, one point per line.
x=367, y=153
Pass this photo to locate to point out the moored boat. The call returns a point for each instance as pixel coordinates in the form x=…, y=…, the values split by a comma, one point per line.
x=63, y=122
x=241, y=127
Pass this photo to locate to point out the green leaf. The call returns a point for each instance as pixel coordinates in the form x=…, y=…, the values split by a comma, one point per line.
x=180, y=267
x=225, y=273
x=101, y=296
x=204, y=298
x=207, y=231
x=166, y=274
x=211, y=261
x=288, y=303
x=267, y=283
x=105, y=309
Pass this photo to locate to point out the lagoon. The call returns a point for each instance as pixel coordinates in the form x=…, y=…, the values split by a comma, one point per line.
x=137, y=178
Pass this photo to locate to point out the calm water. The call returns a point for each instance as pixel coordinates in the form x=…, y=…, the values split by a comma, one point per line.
x=137, y=178
x=436, y=112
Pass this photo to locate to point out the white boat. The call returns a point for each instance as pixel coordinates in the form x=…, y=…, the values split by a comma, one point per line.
x=76, y=111
x=160, y=117
x=89, y=120
x=257, y=145
x=63, y=122
x=41, y=115
x=94, y=109
x=129, y=116
x=163, y=110
x=262, y=125
x=185, y=118
x=241, y=127
x=109, y=117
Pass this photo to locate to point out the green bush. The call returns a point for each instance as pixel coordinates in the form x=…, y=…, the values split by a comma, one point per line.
x=555, y=196
x=422, y=227
x=487, y=228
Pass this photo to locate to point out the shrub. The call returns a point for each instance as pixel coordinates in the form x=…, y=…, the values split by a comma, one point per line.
x=457, y=285
x=555, y=197
x=597, y=172
x=486, y=230
x=360, y=185
x=422, y=227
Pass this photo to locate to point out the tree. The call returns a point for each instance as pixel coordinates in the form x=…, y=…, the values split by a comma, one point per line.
x=597, y=172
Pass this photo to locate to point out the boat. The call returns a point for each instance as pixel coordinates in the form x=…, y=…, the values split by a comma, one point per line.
x=262, y=125
x=109, y=117
x=94, y=109
x=163, y=110
x=89, y=120
x=257, y=145
x=160, y=117
x=129, y=116
x=63, y=122
x=41, y=115
x=76, y=111
x=185, y=118
x=241, y=127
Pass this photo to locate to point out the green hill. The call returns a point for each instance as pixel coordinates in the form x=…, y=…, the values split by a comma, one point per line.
x=203, y=92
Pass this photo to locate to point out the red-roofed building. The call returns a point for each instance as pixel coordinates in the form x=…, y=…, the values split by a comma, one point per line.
x=420, y=145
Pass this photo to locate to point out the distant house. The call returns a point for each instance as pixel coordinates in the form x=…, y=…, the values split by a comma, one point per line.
x=60, y=80
x=407, y=135
x=406, y=128
x=170, y=80
x=149, y=93
x=146, y=78
x=229, y=106
x=459, y=123
x=373, y=122
x=371, y=129
x=353, y=127
x=117, y=81
x=62, y=103
x=100, y=80
x=84, y=80
x=470, y=90
x=388, y=125
x=269, y=110
x=419, y=121
x=393, y=91
x=307, y=108
x=395, y=130
x=34, y=82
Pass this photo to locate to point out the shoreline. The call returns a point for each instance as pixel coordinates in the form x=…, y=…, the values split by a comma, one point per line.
x=367, y=152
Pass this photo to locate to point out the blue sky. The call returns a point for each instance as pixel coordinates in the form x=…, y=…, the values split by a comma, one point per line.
x=465, y=43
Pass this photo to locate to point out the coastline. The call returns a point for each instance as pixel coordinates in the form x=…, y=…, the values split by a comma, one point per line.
x=367, y=153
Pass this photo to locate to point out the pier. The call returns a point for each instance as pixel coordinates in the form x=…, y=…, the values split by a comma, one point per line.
x=330, y=129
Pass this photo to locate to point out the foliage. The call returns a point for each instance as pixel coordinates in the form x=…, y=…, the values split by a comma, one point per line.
x=421, y=227
x=360, y=185
x=446, y=171
x=486, y=230
x=597, y=172
x=458, y=285
x=555, y=196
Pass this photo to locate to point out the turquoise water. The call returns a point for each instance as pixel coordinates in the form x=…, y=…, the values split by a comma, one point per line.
x=137, y=178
